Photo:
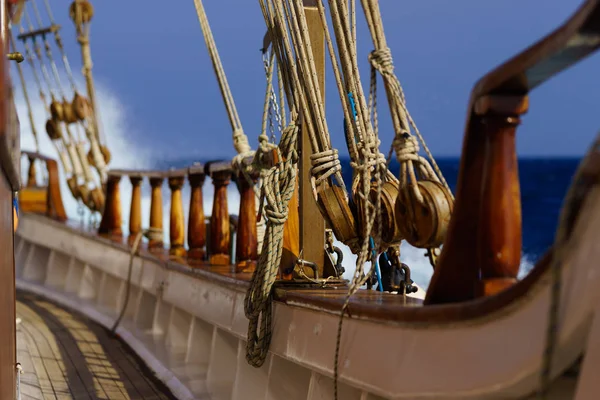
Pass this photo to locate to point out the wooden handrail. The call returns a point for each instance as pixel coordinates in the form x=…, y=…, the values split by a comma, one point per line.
x=482, y=251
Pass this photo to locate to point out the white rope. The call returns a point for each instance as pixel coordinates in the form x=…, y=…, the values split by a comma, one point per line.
x=19, y=372
x=240, y=140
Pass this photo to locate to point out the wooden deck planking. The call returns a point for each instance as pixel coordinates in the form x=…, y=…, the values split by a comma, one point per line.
x=66, y=356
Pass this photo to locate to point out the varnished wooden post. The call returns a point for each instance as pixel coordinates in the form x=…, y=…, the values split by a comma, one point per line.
x=246, y=246
x=312, y=224
x=111, y=219
x=31, y=173
x=499, y=252
x=196, y=223
x=177, y=220
x=156, y=212
x=219, y=220
x=135, y=212
x=482, y=251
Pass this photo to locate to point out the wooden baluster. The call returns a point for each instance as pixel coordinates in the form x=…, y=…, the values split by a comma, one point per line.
x=196, y=223
x=246, y=247
x=135, y=212
x=499, y=252
x=31, y=173
x=111, y=219
x=219, y=220
x=177, y=221
x=482, y=250
x=156, y=212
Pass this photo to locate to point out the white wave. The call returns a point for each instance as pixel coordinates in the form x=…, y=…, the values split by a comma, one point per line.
x=127, y=152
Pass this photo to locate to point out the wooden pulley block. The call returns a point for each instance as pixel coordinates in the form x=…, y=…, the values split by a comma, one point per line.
x=81, y=107
x=428, y=226
x=97, y=200
x=57, y=111
x=105, y=153
x=68, y=114
x=390, y=232
x=332, y=202
x=53, y=129
x=86, y=11
x=84, y=194
x=72, y=182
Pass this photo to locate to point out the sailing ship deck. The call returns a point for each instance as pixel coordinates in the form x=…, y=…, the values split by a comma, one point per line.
x=64, y=356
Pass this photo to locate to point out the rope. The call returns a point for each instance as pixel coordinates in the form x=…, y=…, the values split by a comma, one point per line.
x=381, y=61
x=82, y=26
x=25, y=95
x=19, y=372
x=277, y=190
x=240, y=140
x=31, y=56
x=363, y=144
x=151, y=234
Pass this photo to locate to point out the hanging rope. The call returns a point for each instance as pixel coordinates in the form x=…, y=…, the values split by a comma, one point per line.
x=277, y=190
x=240, y=140
x=25, y=95
x=81, y=12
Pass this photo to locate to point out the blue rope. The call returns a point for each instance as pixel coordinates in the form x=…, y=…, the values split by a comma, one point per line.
x=377, y=270
x=16, y=205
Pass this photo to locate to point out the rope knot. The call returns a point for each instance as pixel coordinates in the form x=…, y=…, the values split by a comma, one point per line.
x=324, y=164
x=240, y=141
x=274, y=216
x=406, y=146
x=381, y=60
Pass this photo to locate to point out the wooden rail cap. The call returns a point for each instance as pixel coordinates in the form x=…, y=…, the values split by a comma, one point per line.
x=214, y=167
x=139, y=173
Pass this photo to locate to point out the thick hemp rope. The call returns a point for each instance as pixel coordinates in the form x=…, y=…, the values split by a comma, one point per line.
x=405, y=146
x=368, y=162
x=240, y=140
x=277, y=190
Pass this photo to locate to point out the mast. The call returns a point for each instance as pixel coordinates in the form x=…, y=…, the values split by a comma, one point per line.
x=312, y=223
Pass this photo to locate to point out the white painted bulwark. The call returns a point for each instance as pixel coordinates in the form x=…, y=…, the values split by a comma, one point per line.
x=191, y=330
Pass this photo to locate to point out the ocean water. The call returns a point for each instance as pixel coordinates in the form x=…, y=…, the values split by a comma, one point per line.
x=544, y=183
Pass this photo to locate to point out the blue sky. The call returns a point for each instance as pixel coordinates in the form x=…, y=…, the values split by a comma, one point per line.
x=152, y=56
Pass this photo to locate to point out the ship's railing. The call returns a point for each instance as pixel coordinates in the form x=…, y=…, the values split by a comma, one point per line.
x=40, y=194
x=209, y=239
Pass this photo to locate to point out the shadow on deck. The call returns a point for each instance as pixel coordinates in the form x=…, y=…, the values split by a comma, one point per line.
x=65, y=355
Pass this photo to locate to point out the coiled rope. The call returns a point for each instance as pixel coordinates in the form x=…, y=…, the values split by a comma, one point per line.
x=277, y=190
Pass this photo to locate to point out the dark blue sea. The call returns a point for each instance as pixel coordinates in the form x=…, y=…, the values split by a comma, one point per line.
x=544, y=182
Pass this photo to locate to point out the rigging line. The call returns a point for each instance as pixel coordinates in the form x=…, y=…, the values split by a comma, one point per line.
x=38, y=52
x=59, y=43
x=31, y=61
x=25, y=94
x=48, y=49
x=53, y=66
x=217, y=66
